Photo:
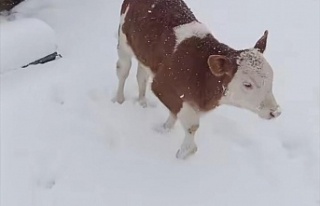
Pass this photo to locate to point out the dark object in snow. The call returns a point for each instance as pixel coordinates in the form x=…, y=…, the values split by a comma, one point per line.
x=7, y=5
x=45, y=59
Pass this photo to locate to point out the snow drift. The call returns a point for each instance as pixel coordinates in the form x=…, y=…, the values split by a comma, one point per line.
x=23, y=41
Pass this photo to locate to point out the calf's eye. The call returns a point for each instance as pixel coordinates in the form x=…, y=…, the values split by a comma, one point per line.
x=247, y=85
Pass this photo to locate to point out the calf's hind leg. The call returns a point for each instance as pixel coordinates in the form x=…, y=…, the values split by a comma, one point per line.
x=123, y=68
x=142, y=78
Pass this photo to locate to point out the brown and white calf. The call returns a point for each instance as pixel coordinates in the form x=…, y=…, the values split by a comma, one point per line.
x=192, y=71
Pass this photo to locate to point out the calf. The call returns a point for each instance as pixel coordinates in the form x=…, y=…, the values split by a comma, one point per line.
x=192, y=71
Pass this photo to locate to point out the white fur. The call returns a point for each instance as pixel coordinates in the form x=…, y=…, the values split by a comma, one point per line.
x=170, y=122
x=168, y=125
x=189, y=118
x=186, y=31
x=122, y=39
x=254, y=69
x=142, y=78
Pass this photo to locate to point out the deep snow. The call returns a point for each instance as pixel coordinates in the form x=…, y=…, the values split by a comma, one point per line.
x=64, y=143
x=24, y=41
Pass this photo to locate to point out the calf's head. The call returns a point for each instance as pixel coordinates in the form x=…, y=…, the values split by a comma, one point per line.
x=251, y=85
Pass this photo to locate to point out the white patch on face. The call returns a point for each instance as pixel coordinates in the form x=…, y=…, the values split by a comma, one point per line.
x=186, y=31
x=251, y=87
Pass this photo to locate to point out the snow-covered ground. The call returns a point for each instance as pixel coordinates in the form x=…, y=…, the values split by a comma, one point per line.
x=64, y=143
x=23, y=41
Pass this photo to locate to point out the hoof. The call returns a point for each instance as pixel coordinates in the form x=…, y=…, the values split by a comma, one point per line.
x=162, y=129
x=184, y=153
x=119, y=100
x=143, y=103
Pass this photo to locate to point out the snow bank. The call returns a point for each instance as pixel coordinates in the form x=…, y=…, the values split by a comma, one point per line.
x=24, y=41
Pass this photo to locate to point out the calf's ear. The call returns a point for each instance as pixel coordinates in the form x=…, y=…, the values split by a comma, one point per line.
x=219, y=65
x=262, y=42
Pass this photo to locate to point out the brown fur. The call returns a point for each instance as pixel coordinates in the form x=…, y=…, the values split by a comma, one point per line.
x=183, y=75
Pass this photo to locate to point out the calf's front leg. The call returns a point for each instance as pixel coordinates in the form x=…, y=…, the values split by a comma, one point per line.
x=187, y=115
x=189, y=119
x=170, y=122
